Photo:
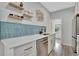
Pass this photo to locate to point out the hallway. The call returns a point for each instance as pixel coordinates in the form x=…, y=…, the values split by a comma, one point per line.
x=62, y=50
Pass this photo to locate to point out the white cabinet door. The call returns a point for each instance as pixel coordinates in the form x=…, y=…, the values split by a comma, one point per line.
x=76, y=8
x=78, y=48
x=78, y=45
x=25, y=50
x=42, y=47
x=51, y=43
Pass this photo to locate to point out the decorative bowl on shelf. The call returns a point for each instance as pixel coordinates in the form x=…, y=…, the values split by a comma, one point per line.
x=16, y=5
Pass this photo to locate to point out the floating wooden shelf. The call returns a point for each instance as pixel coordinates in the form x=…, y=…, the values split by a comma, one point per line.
x=28, y=15
x=16, y=17
x=16, y=6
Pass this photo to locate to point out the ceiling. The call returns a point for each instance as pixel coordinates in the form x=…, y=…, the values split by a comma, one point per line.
x=55, y=6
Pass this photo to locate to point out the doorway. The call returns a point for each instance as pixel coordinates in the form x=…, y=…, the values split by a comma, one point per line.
x=57, y=28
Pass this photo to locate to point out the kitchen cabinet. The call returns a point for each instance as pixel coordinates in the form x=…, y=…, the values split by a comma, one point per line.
x=51, y=43
x=78, y=48
x=25, y=50
x=27, y=45
x=42, y=46
x=45, y=45
x=76, y=8
x=78, y=44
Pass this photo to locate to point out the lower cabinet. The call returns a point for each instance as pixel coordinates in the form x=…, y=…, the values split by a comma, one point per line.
x=51, y=43
x=78, y=45
x=78, y=48
x=42, y=47
x=25, y=50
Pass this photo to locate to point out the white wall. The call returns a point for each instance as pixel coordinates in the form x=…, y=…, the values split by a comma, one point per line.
x=67, y=15
x=33, y=6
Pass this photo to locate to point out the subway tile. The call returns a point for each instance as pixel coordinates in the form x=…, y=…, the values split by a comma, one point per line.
x=11, y=30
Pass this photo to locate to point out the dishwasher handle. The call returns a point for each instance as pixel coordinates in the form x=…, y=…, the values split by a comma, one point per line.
x=45, y=42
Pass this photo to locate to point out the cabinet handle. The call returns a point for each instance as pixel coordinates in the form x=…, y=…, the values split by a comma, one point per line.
x=45, y=42
x=28, y=48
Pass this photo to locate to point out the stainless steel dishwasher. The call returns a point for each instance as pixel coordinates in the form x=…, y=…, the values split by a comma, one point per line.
x=42, y=46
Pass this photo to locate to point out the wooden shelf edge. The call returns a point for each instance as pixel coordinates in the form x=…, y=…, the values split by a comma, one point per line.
x=15, y=17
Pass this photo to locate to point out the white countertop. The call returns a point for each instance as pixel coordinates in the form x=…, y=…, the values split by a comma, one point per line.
x=14, y=42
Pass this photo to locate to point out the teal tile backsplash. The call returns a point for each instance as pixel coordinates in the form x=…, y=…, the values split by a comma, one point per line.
x=11, y=30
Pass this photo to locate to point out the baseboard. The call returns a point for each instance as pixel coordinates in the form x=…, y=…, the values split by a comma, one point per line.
x=67, y=44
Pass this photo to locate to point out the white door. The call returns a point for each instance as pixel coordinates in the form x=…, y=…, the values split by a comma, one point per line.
x=57, y=28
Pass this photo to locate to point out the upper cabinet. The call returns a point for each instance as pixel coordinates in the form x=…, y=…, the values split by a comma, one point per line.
x=76, y=8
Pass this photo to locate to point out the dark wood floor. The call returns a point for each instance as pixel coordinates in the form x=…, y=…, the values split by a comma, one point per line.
x=62, y=50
